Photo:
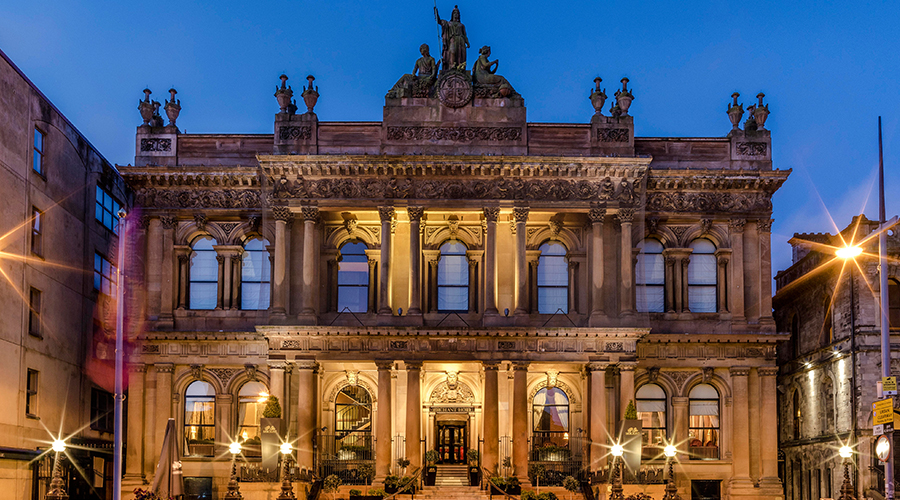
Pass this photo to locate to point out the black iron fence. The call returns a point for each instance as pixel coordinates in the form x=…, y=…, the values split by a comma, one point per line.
x=347, y=470
x=254, y=473
x=346, y=447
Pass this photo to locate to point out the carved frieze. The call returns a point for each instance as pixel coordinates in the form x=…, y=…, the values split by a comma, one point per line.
x=612, y=134
x=224, y=374
x=293, y=133
x=751, y=148
x=708, y=202
x=454, y=134
x=156, y=144
x=197, y=198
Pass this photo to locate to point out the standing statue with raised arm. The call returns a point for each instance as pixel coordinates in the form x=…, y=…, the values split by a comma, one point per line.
x=454, y=39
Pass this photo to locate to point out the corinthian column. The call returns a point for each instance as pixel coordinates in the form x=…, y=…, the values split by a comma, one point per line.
x=280, y=283
x=736, y=293
x=167, y=272
x=625, y=216
x=520, y=421
x=310, y=214
x=384, y=306
x=741, y=423
x=521, y=217
x=383, y=420
x=490, y=260
x=596, y=216
x=413, y=412
x=491, y=416
x=415, y=280
x=764, y=227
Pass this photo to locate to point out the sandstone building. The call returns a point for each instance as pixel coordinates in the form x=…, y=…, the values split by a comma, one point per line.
x=457, y=278
x=829, y=369
x=58, y=241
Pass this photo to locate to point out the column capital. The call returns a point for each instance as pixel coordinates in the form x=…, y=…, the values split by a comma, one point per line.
x=281, y=214
x=413, y=364
x=626, y=367
x=306, y=364
x=520, y=365
x=168, y=221
x=384, y=364
x=739, y=371
x=490, y=365
x=520, y=214
x=764, y=225
x=415, y=213
x=229, y=250
x=625, y=215
x=277, y=365
x=137, y=367
x=736, y=225
x=597, y=366
x=767, y=371
x=386, y=213
x=144, y=221
x=596, y=215
x=310, y=213
x=491, y=213
x=164, y=367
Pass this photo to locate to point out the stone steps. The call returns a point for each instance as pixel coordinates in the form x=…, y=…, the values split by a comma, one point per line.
x=455, y=492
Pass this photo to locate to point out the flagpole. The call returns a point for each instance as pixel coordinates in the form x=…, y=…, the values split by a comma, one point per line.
x=120, y=321
x=883, y=299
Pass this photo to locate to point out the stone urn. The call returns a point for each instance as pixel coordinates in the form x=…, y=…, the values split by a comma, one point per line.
x=598, y=97
x=310, y=94
x=735, y=111
x=283, y=95
x=146, y=108
x=624, y=97
x=173, y=107
x=761, y=112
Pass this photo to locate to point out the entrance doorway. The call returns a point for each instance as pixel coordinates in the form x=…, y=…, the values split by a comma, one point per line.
x=706, y=490
x=451, y=442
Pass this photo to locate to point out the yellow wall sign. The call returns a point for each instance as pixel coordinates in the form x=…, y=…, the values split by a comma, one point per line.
x=889, y=385
x=883, y=412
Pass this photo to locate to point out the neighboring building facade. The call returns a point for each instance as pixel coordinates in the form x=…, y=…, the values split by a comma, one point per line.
x=827, y=380
x=57, y=237
x=456, y=278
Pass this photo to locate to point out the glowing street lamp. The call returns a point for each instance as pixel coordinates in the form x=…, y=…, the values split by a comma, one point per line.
x=849, y=252
x=617, y=490
x=57, y=487
x=846, y=487
x=234, y=490
x=287, y=488
x=671, y=490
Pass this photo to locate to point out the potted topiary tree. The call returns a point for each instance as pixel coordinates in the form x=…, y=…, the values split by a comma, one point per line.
x=537, y=471
x=571, y=485
x=403, y=463
x=367, y=472
x=271, y=431
x=431, y=457
x=331, y=485
x=474, y=472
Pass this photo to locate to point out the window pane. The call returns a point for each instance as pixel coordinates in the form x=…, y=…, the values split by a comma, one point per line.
x=551, y=300
x=354, y=298
x=453, y=299
x=702, y=270
x=702, y=299
x=651, y=298
x=203, y=295
x=453, y=270
x=552, y=271
x=353, y=271
x=650, y=269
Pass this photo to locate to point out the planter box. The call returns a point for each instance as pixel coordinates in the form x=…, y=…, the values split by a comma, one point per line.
x=365, y=497
x=430, y=475
x=474, y=476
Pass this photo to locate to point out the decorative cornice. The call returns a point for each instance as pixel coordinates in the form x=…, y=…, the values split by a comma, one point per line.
x=384, y=364
x=767, y=371
x=413, y=365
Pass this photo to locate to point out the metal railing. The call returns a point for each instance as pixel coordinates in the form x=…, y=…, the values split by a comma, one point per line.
x=347, y=447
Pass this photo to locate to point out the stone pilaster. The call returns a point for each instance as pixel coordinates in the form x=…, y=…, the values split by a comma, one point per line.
x=490, y=260
x=154, y=268
x=383, y=420
x=415, y=251
x=764, y=228
x=162, y=409
x=167, y=279
x=736, y=290
x=414, y=413
x=276, y=382
x=723, y=261
x=520, y=420
x=384, y=305
x=740, y=435
x=182, y=271
x=306, y=411
x=768, y=413
x=372, y=258
x=680, y=424
x=598, y=416
x=134, y=453
x=491, y=412
x=596, y=216
x=626, y=264
x=521, y=217
x=280, y=275
x=626, y=386
x=310, y=265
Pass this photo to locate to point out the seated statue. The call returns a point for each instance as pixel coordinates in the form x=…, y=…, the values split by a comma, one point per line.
x=487, y=82
x=420, y=82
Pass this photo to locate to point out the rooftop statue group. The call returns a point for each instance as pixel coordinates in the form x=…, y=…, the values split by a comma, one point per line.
x=426, y=78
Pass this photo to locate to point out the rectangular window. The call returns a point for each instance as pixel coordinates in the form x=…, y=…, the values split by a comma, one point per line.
x=38, y=162
x=37, y=232
x=34, y=313
x=31, y=394
x=104, y=276
x=102, y=415
x=107, y=210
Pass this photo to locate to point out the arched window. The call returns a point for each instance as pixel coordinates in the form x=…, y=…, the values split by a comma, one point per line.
x=550, y=416
x=797, y=414
x=256, y=275
x=204, y=274
x=702, y=277
x=828, y=405
x=894, y=303
x=703, y=428
x=453, y=278
x=651, y=408
x=353, y=424
x=251, y=402
x=353, y=278
x=827, y=322
x=553, y=279
x=200, y=419
x=795, y=334
x=650, y=277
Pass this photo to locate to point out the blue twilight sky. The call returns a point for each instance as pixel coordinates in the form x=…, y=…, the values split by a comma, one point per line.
x=828, y=70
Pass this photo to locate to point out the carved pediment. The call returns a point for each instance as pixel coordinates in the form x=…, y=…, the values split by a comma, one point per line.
x=444, y=394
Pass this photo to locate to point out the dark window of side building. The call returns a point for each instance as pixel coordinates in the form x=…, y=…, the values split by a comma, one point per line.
x=827, y=485
x=204, y=274
x=798, y=415
x=200, y=419
x=34, y=312
x=102, y=416
x=31, y=393
x=104, y=276
x=197, y=488
x=256, y=274
x=453, y=278
x=553, y=279
x=828, y=405
x=38, y=161
x=106, y=210
x=894, y=303
x=703, y=426
x=795, y=335
x=353, y=278
x=651, y=408
x=827, y=334
x=37, y=232
x=650, y=277
x=702, y=277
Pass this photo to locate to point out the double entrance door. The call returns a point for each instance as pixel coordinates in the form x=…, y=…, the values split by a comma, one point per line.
x=451, y=442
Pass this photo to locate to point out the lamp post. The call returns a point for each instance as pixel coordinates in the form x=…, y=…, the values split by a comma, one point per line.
x=671, y=490
x=57, y=487
x=616, y=493
x=287, y=488
x=120, y=358
x=846, y=486
x=234, y=489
